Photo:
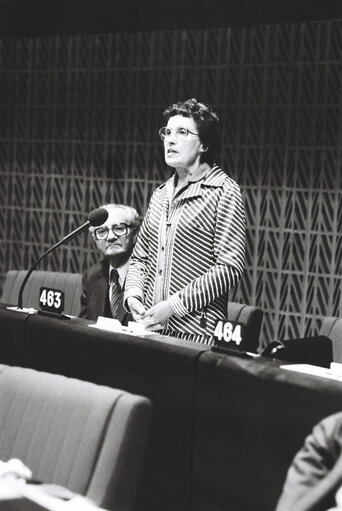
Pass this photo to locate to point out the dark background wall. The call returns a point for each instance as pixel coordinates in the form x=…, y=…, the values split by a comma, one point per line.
x=79, y=119
x=22, y=18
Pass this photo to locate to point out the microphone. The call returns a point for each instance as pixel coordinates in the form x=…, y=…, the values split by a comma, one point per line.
x=279, y=351
x=96, y=217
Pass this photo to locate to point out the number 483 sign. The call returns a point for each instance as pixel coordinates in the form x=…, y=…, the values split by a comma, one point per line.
x=51, y=300
x=229, y=332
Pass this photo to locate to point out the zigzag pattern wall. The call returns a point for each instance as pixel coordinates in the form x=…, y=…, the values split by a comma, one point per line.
x=79, y=119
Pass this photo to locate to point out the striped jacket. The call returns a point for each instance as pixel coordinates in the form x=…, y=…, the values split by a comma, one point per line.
x=190, y=251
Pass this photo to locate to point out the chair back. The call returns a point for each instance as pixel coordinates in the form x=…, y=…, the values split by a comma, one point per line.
x=332, y=327
x=70, y=283
x=85, y=437
x=251, y=317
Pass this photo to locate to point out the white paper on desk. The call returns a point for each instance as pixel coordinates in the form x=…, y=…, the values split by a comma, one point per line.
x=108, y=324
x=113, y=325
x=322, y=372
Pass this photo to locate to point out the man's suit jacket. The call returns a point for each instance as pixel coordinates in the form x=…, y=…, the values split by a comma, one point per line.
x=95, y=298
x=315, y=474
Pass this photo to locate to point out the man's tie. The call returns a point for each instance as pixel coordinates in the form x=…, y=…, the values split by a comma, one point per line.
x=114, y=292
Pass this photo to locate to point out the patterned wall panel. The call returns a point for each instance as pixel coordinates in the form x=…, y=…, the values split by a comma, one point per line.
x=79, y=119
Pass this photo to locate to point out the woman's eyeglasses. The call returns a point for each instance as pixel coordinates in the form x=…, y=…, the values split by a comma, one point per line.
x=180, y=133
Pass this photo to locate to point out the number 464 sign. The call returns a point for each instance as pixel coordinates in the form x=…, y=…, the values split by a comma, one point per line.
x=229, y=332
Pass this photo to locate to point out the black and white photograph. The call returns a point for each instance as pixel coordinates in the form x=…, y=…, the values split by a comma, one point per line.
x=171, y=255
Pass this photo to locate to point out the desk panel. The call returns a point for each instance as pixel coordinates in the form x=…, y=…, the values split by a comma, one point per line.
x=251, y=418
x=156, y=367
x=12, y=327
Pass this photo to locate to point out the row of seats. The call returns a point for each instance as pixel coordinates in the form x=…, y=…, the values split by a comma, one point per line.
x=82, y=436
x=70, y=283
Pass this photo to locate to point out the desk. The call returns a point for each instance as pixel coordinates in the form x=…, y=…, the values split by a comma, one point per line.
x=12, y=325
x=224, y=429
x=157, y=367
x=251, y=419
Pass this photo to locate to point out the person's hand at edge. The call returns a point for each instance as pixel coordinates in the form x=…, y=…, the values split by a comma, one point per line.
x=136, y=308
x=14, y=469
x=155, y=317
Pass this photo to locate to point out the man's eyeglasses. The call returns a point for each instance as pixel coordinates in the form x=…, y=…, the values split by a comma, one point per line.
x=101, y=233
x=180, y=133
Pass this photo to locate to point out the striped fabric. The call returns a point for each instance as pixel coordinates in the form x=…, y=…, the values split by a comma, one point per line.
x=191, y=251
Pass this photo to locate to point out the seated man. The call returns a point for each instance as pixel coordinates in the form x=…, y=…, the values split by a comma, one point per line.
x=103, y=283
x=315, y=475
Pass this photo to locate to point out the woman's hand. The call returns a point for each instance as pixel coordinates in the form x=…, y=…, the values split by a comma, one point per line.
x=155, y=317
x=14, y=469
x=136, y=308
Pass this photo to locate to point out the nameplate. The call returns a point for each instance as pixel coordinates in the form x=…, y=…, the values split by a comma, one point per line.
x=229, y=332
x=229, y=338
x=51, y=300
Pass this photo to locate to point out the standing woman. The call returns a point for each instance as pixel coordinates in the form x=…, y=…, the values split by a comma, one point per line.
x=191, y=248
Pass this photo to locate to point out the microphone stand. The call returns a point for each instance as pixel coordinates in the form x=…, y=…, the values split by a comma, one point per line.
x=66, y=239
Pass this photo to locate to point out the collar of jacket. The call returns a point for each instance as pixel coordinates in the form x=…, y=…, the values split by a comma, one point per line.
x=215, y=177
x=104, y=265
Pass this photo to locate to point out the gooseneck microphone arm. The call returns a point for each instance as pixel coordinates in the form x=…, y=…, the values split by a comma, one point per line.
x=96, y=218
x=61, y=242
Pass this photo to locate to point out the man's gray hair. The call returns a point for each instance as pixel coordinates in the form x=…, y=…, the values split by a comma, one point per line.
x=136, y=218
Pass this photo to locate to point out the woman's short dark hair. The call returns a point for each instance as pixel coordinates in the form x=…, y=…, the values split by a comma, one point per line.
x=207, y=123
